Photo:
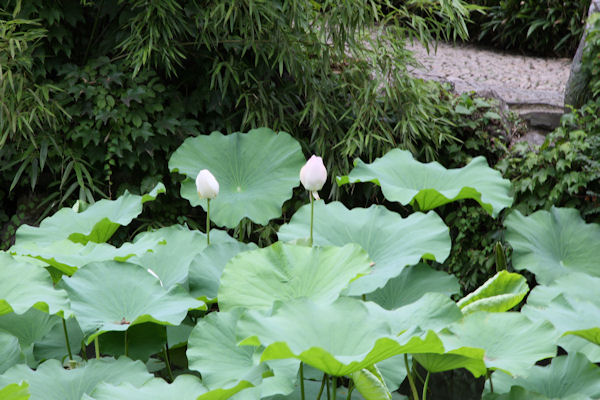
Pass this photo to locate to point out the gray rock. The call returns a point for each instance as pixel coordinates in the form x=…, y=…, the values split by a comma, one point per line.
x=578, y=81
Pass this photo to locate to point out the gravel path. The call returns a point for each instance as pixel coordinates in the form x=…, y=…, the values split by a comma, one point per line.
x=514, y=78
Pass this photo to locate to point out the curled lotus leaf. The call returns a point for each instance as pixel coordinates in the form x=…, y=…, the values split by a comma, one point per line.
x=427, y=186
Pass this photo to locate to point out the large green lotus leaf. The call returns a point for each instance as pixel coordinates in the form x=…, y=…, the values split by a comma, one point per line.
x=500, y=293
x=143, y=340
x=96, y=224
x=391, y=241
x=112, y=296
x=553, y=243
x=433, y=311
x=430, y=185
x=185, y=387
x=68, y=256
x=566, y=376
x=280, y=380
x=213, y=351
x=518, y=393
x=256, y=279
x=467, y=358
x=15, y=392
x=29, y=328
x=207, y=267
x=53, y=345
x=10, y=351
x=412, y=283
x=176, y=239
x=570, y=303
x=50, y=381
x=511, y=342
x=338, y=338
x=23, y=285
x=256, y=172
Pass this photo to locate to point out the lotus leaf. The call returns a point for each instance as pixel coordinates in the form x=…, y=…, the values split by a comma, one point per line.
x=179, y=240
x=96, y=224
x=570, y=303
x=511, y=342
x=256, y=279
x=369, y=382
x=15, y=392
x=67, y=256
x=256, y=172
x=427, y=186
x=500, y=293
x=52, y=382
x=53, y=344
x=23, y=285
x=553, y=243
x=565, y=378
x=29, y=327
x=412, y=283
x=337, y=338
x=391, y=241
x=112, y=296
x=185, y=387
x=207, y=267
x=10, y=352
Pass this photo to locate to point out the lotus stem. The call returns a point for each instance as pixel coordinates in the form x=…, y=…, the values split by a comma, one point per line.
x=126, y=345
x=302, y=380
x=312, y=215
x=411, y=380
x=328, y=391
x=166, y=355
x=67, y=339
x=322, y=387
x=489, y=375
x=333, y=387
x=207, y=222
x=350, y=390
x=97, y=347
x=425, y=386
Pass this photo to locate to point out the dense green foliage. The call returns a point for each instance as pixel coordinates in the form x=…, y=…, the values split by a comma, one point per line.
x=591, y=60
x=546, y=27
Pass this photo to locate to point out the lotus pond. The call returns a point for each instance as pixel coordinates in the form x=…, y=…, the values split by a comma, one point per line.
x=345, y=305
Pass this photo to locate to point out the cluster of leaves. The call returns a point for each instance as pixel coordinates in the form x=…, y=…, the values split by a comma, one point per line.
x=590, y=63
x=291, y=322
x=546, y=27
x=564, y=171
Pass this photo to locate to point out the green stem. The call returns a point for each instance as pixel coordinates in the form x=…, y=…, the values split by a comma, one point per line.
x=302, y=380
x=67, y=340
x=166, y=355
x=411, y=380
x=364, y=297
x=312, y=214
x=97, y=347
x=489, y=374
x=333, y=387
x=83, y=351
x=350, y=390
x=126, y=345
x=328, y=391
x=207, y=221
x=425, y=386
x=322, y=386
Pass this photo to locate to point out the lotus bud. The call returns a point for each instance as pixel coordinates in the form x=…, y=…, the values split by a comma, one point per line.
x=206, y=185
x=313, y=175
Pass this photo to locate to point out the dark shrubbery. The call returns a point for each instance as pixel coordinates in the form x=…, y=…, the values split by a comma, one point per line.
x=545, y=27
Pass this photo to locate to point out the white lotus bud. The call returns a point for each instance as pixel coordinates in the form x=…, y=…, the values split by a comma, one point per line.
x=206, y=185
x=313, y=175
